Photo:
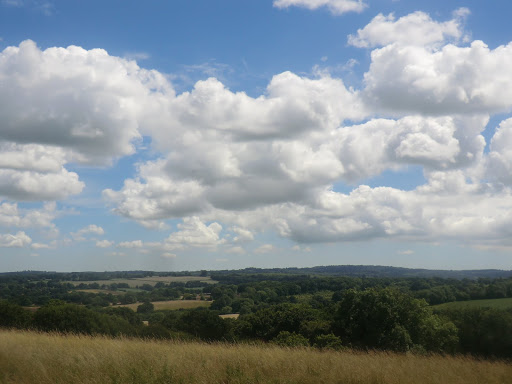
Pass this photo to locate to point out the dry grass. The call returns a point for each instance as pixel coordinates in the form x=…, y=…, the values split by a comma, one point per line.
x=230, y=316
x=172, y=304
x=27, y=357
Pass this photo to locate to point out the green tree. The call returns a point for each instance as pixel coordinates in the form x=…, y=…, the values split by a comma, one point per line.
x=389, y=319
x=12, y=315
x=146, y=307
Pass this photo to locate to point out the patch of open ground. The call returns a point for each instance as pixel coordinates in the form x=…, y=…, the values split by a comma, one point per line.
x=172, y=304
x=491, y=303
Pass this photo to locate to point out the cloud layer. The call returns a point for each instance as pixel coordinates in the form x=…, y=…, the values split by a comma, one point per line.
x=231, y=166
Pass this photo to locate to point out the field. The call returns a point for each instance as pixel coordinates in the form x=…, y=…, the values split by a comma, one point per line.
x=147, y=280
x=172, y=304
x=105, y=291
x=27, y=357
x=492, y=303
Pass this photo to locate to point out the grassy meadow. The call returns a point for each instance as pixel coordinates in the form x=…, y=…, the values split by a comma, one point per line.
x=488, y=303
x=28, y=357
x=171, y=305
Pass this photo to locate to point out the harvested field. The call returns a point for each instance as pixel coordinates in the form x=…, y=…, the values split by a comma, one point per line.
x=172, y=304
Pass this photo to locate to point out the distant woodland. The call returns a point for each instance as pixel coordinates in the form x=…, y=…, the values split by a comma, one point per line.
x=335, y=308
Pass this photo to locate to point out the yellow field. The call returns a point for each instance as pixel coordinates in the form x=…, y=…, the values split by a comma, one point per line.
x=172, y=304
x=230, y=316
x=30, y=358
x=147, y=280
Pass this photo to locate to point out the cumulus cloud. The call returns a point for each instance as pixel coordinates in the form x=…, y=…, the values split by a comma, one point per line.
x=337, y=7
x=104, y=243
x=12, y=216
x=451, y=80
x=242, y=235
x=18, y=240
x=253, y=164
x=40, y=246
x=417, y=29
x=499, y=164
x=89, y=230
x=232, y=151
x=193, y=232
x=63, y=105
x=98, y=122
x=131, y=244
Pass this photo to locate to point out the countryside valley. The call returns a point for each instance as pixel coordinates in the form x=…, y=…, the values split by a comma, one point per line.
x=461, y=321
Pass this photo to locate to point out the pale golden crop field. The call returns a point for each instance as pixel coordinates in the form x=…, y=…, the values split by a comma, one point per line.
x=172, y=304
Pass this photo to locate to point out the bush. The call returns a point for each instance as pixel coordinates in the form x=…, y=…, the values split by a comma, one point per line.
x=290, y=339
x=146, y=307
x=12, y=315
x=329, y=341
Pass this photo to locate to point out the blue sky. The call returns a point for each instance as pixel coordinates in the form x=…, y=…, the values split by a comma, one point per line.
x=182, y=135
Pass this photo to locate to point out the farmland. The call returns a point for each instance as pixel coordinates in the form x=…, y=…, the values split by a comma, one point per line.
x=153, y=280
x=505, y=303
x=171, y=305
x=54, y=358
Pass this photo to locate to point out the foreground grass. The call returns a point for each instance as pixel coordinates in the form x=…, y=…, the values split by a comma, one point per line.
x=27, y=357
x=489, y=303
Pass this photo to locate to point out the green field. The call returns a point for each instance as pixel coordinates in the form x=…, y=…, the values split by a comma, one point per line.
x=30, y=358
x=147, y=280
x=172, y=304
x=489, y=303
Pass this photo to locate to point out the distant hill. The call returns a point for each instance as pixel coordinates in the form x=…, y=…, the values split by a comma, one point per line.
x=278, y=273
x=374, y=271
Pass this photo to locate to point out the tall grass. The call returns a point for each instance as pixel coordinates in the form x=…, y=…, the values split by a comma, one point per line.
x=28, y=357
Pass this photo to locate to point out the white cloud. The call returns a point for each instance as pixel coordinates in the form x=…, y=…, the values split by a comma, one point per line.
x=34, y=186
x=131, y=244
x=252, y=164
x=52, y=245
x=406, y=252
x=499, y=165
x=232, y=151
x=47, y=122
x=242, y=235
x=451, y=80
x=414, y=29
x=97, y=123
x=337, y=7
x=193, y=232
x=168, y=255
x=12, y=216
x=89, y=230
x=18, y=240
x=104, y=243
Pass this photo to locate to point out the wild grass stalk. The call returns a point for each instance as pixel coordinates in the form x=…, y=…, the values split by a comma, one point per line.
x=29, y=357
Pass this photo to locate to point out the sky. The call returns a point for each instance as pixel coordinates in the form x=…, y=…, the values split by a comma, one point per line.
x=223, y=134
